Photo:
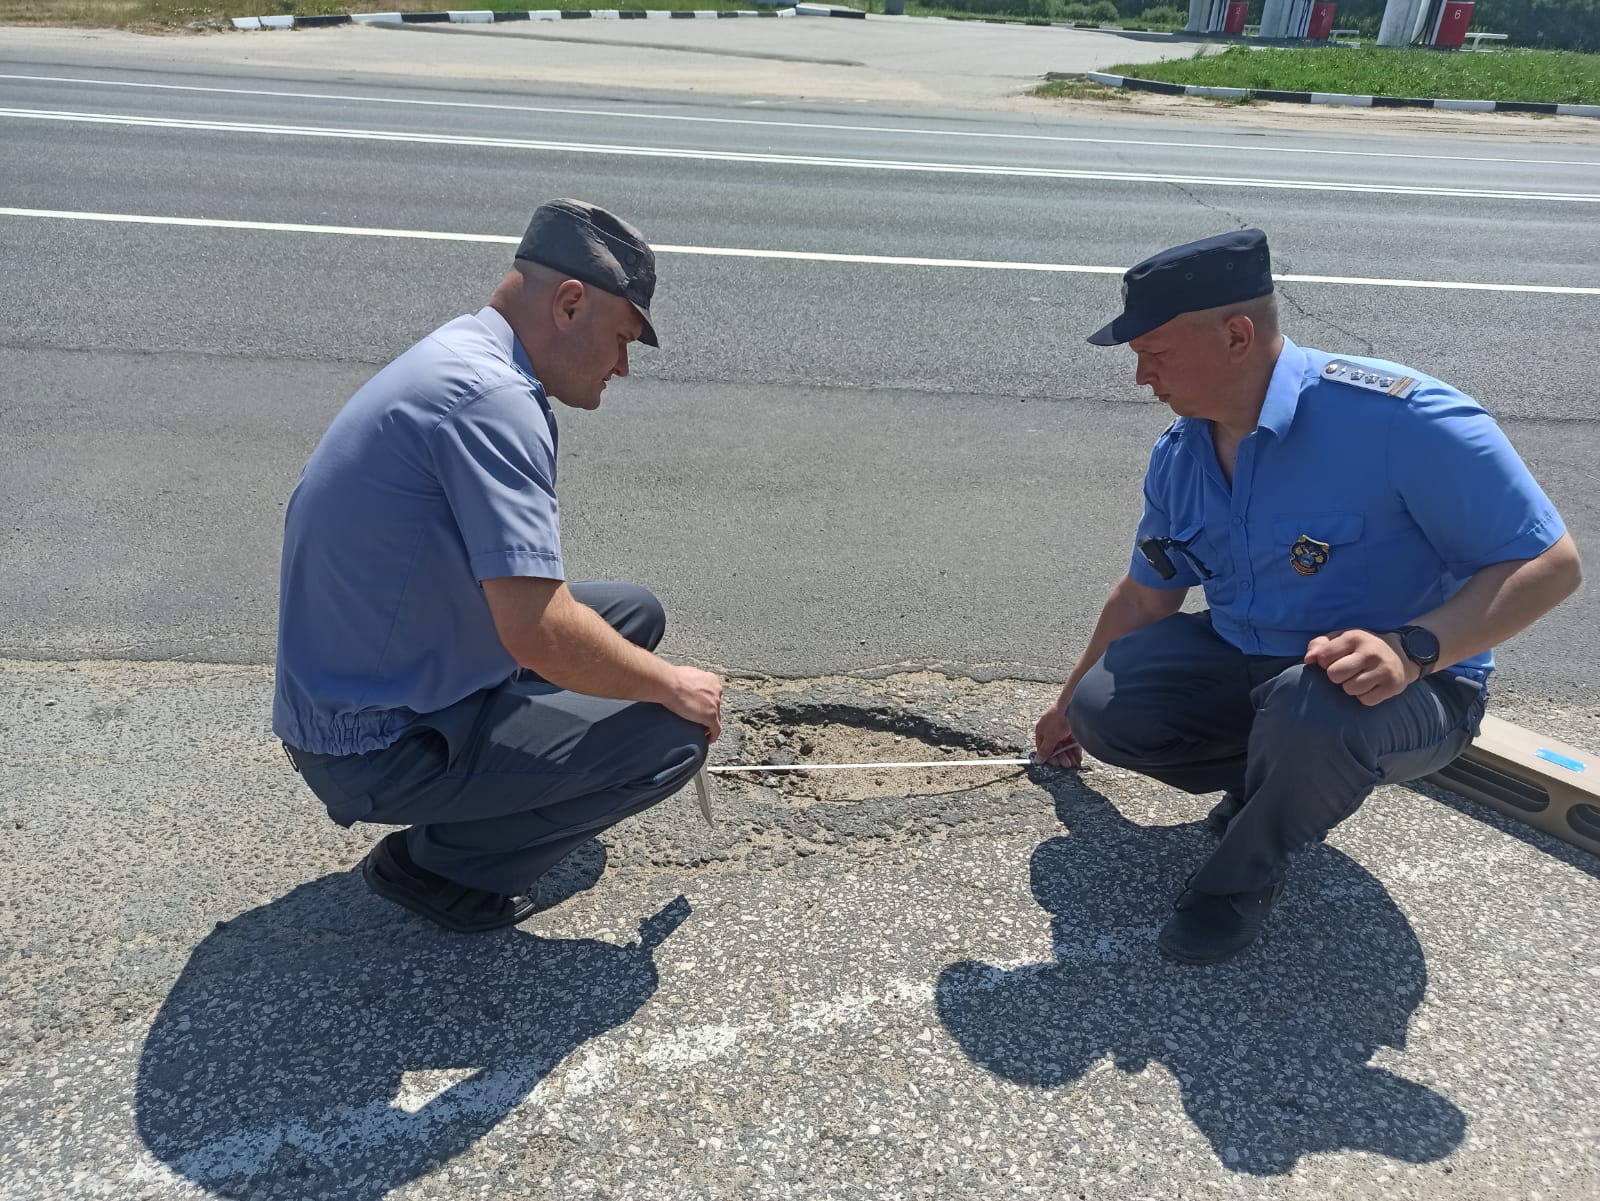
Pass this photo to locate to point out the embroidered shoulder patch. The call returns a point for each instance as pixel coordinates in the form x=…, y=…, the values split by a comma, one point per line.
x=1374, y=381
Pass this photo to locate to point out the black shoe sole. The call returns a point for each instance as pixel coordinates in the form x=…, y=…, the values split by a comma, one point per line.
x=408, y=898
x=1178, y=956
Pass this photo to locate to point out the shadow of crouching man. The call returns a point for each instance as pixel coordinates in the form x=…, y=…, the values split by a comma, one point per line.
x=1270, y=1050
x=276, y=1067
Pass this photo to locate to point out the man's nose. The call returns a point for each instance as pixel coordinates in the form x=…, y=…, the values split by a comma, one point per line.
x=622, y=363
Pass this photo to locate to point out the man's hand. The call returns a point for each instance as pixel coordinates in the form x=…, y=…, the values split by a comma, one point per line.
x=697, y=696
x=1370, y=667
x=1053, y=739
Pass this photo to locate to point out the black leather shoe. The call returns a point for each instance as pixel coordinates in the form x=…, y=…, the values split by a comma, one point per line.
x=1222, y=813
x=390, y=872
x=1208, y=929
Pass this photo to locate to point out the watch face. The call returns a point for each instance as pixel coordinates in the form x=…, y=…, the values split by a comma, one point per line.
x=1421, y=645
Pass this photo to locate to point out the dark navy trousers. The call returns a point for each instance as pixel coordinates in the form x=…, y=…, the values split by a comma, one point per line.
x=502, y=785
x=1177, y=702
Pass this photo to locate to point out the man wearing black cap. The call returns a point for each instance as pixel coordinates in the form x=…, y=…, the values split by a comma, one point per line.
x=434, y=671
x=1364, y=535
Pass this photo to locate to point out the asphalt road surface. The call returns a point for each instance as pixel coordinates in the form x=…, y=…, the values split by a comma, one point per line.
x=924, y=455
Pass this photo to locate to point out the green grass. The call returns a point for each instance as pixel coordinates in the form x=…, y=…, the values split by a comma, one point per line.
x=170, y=14
x=1546, y=76
x=1079, y=89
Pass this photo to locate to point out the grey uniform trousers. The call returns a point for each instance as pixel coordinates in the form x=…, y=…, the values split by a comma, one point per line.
x=1177, y=702
x=499, y=787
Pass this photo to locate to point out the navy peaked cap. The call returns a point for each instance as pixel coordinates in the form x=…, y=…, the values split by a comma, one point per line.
x=1222, y=270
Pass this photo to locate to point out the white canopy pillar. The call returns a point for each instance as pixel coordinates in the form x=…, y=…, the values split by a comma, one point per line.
x=1285, y=18
x=1402, y=21
x=1207, y=16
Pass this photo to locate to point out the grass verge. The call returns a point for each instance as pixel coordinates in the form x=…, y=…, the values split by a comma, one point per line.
x=1544, y=76
x=1079, y=89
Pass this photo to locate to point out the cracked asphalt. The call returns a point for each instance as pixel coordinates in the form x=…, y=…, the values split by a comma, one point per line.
x=950, y=995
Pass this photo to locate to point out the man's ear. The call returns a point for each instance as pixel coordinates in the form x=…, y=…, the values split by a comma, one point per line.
x=566, y=302
x=1241, y=335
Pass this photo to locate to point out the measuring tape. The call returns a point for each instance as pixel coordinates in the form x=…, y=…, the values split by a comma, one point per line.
x=702, y=784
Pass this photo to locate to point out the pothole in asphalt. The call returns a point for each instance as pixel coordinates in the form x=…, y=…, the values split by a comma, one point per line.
x=805, y=734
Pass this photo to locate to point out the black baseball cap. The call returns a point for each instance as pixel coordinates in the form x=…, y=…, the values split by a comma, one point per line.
x=1225, y=269
x=586, y=243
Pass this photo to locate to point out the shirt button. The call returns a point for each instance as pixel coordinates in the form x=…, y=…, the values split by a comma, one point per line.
x=1238, y=521
x=1244, y=585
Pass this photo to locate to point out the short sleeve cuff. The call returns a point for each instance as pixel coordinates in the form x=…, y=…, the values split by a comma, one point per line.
x=1529, y=544
x=519, y=561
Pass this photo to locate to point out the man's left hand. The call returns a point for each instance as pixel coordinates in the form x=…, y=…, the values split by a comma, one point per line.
x=1368, y=666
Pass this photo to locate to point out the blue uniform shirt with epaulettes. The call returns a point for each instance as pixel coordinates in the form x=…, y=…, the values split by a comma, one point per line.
x=1367, y=495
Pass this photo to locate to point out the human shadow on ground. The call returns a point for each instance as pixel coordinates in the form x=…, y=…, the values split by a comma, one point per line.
x=276, y=1067
x=1270, y=1050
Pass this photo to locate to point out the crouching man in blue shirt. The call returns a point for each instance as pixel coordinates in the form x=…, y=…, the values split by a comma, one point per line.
x=1364, y=535
x=434, y=671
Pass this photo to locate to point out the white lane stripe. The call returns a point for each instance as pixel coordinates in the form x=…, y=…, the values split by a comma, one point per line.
x=804, y=256
x=786, y=160
x=823, y=125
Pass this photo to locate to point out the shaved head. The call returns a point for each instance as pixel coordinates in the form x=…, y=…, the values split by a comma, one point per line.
x=1262, y=312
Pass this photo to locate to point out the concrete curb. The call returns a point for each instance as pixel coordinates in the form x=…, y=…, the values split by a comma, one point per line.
x=1344, y=98
x=485, y=17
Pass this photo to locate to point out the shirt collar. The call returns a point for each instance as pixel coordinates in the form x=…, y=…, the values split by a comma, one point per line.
x=1283, y=390
x=507, y=339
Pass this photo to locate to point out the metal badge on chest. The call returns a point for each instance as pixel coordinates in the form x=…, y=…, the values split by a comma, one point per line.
x=1307, y=555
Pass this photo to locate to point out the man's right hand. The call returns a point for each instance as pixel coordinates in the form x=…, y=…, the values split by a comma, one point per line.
x=1053, y=740
x=697, y=696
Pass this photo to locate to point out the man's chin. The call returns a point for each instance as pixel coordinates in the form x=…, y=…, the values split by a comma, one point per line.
x=580, y=402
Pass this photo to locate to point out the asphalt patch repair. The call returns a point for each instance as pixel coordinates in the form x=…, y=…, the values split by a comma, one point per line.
x=769, y=820
x=803, y=735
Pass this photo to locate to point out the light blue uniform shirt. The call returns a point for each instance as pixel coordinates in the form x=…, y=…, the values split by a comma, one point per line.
x=440, y=472
x=1388, y=503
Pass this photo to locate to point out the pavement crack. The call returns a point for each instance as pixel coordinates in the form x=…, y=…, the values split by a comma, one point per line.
x=1287, y=297
x=1238, y=221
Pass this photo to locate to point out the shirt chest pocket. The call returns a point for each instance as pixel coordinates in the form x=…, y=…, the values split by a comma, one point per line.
x=1319, y=544
x=1205, y=551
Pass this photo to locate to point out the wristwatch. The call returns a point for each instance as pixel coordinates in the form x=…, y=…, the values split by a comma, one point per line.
x=1420, y=645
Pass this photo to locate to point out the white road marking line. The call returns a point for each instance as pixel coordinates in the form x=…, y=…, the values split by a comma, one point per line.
x=804, y=256
x=820, y=125
x=785, y=160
